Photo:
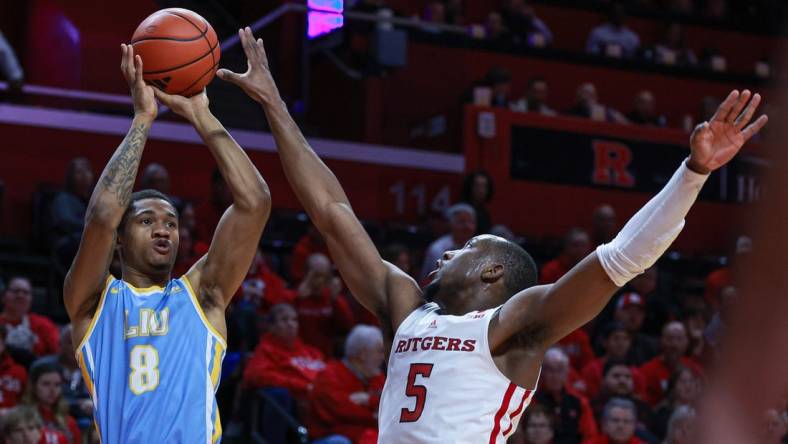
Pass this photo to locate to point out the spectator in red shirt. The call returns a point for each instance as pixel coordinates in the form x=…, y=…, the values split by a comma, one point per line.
x=282, y=359
x=322, y=309
x=12, y=377
x=23, y=425
x=74, y=389
x=347, y=393
x=659, y=370
x=29, y=335
x=617, y=342
x=618, y=424
x=574, y=418
x=285, y=368
x=631, y=311
x=618, y=383
x=45, y=394
x=310, y=243
x=577, y=245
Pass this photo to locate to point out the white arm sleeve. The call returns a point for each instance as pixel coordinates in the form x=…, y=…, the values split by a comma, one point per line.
x=652, y=229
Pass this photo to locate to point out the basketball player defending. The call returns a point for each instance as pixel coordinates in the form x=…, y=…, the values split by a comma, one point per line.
x=151, y=346
x=466, y=351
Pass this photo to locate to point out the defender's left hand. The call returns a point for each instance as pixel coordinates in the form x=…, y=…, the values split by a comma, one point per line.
x=186, y=107
x=716, y=142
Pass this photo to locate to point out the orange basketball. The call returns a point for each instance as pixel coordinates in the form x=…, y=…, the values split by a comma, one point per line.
x=179, y=50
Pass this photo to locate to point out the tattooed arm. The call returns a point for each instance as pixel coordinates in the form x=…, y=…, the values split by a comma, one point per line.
x=85, y=280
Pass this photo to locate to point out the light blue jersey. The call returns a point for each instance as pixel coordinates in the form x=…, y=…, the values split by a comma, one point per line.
x=152, y=362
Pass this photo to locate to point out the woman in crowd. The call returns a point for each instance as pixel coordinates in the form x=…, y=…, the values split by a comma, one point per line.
x=44, y=393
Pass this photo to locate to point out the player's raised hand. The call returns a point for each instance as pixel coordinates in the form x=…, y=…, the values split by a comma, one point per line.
x=141, y=93
x=186, y=107
x=257, y=81
x=716, y=142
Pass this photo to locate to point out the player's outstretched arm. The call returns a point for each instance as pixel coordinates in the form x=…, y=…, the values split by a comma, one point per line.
x=379, y=286
x=553, y=311
x=218, y=274
x=85, y=279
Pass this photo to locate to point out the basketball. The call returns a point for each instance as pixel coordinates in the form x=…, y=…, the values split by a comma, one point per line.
x=179, y=50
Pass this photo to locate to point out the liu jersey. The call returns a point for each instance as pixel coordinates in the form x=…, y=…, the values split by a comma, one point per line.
x=151, y=362
x=443, y=386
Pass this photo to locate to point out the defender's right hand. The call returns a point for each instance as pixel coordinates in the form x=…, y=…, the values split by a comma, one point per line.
x=257, y=81
x=141, y=93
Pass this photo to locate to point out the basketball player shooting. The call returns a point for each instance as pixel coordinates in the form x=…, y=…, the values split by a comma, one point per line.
x=151, y=346
x=466, y=350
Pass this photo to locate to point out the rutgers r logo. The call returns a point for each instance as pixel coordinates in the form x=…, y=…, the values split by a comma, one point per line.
x=611, y=160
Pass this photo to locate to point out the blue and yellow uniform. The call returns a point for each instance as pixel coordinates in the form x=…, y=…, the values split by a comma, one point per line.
x=152, y=361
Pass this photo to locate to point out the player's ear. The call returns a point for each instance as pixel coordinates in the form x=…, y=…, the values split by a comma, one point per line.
x=492, y=273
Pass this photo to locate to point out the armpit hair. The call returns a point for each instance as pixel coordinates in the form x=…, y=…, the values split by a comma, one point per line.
x=532, y=336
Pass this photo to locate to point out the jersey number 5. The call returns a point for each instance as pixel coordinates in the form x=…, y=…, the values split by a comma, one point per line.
x=144, y=362
x=416, y=391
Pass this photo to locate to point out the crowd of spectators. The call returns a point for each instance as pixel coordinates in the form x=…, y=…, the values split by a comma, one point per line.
x=495, y=90
x=515, y=23
x=307, y=362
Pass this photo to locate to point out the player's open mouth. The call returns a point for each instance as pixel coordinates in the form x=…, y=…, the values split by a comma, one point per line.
x=438, y=265
x=161, y=246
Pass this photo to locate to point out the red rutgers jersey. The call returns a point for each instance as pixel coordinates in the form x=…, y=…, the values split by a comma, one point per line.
x=443, y=386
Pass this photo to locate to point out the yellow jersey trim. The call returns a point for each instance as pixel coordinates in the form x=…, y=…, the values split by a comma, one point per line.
x=144, y=290
x=217, y=429
x=96, y=315
x=85, y=376
x=217, y=364
x=205, y=321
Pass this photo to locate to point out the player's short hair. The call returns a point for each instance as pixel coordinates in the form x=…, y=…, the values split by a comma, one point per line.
x=19, y=415
x=142, y=195
x=521, y=271
x=360, y=337
x=621, y=403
